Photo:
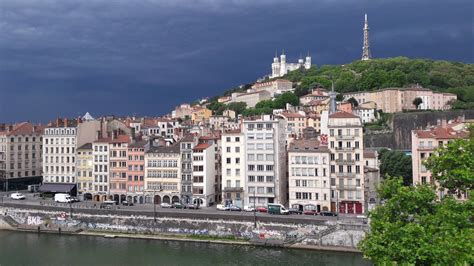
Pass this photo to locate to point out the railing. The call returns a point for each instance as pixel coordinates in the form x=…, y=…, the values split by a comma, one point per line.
x=345, y=161
x=345, y=137
x=345, y=148
x=346, y=187
x=425, y=147
x=233, y=189
x=346, y=174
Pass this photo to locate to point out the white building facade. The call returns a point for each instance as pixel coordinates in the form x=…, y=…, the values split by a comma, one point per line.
x=309, y=182
x=233, y=167
x=265, y=163
x=204, y=174
x=59, y=153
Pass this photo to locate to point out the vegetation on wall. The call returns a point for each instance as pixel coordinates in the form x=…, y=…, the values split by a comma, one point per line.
x=267, y=106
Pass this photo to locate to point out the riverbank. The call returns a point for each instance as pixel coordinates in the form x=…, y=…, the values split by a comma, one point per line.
x=330, y=236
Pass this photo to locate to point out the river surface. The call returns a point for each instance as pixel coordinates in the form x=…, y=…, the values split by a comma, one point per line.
x=20, y=248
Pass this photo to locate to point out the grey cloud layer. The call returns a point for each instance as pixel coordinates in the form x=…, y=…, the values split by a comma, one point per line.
x=146, y=56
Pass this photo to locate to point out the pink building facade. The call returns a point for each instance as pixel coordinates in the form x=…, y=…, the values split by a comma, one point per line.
x=118, y=167
x=136, y=172
x=425, y=143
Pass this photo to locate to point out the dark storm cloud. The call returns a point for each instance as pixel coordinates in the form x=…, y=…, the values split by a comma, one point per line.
x=144, y=57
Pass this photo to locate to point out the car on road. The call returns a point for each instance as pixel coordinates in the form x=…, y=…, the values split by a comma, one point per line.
x=324, y=213
x=235, y=208
x=310, y=212
x=75, y=199
x=17, y=196
x=295, y=211
x=192, y=206
x=262, y=209
x=165, y=205
x=222, y=207
x=178, y=205
x=248, y=208
x=127, y=203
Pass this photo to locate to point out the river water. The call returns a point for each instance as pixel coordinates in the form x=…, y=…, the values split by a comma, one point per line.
x=20, y=248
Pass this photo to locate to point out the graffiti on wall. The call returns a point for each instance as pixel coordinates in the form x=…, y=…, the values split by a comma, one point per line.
x=34, y=220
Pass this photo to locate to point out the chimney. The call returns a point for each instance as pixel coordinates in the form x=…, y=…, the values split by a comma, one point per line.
x=65, y=122
x=58, y=122
x=10, y=128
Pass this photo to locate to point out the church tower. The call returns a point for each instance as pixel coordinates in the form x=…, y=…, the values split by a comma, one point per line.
x=307, y=63
x=366, y=47
x=275, y=67
x=282, y=64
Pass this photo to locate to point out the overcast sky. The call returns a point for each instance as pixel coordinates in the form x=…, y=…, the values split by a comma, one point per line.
x=64, y=58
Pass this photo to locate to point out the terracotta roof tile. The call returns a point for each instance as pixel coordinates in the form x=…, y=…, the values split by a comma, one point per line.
x=342, y=114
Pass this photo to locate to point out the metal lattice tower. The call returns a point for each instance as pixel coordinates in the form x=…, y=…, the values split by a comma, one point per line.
x=366, y=47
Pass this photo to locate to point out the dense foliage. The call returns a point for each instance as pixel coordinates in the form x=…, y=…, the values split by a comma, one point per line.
x=444, y=76
x=396, y=163
x=267, y=106
x=413, y=227
x=453, y=165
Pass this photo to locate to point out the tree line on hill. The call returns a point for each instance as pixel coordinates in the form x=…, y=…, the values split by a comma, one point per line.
x=442, y=76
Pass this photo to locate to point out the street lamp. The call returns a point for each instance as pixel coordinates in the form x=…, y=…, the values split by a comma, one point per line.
x=154, y=204
x=254, y=210
x=337, y=205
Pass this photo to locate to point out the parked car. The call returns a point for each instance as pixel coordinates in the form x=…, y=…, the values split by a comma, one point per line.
x=248, y=208
x=178, y=205
x=295, y=211
x=235, y=208
x=310, y=212
x=165, y=205
x=192, y=206
x=75, y=199
x=327, y=214
x=127, y=203
x=17, y=196
x=262, y=209
x=222, y=207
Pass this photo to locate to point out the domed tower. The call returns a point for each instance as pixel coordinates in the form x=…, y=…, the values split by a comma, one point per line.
x=307, y=63
x=282, y=64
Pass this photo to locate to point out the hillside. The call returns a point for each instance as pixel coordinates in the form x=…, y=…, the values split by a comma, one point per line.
x=454, y=77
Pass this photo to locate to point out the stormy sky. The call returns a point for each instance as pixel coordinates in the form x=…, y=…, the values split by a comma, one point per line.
x=64, y=58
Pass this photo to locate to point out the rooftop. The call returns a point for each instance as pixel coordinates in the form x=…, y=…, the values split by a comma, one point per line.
x=24, y=128
x=343, y=114
x=87, y=146
x=164, y=149
x=307, y=145
x=138, y=144
x=440, y=132
x=202, y=146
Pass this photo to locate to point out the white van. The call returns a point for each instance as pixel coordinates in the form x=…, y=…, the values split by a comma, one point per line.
x=63, y=198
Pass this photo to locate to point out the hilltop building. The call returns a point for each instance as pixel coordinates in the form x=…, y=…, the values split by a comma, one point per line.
x=391, y=100
x=280, y=67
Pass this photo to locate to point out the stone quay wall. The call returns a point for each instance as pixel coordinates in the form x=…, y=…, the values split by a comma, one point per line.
x=333, y=235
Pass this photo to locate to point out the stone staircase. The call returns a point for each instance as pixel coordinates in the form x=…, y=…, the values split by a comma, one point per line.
x=9, y=220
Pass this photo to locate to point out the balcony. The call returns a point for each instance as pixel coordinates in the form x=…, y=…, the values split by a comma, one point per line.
x=345, y=137
x=233, y=189
x=346, y=162
x=425, y=148
x=345, y=148
x=346, y=187
x=346, y=174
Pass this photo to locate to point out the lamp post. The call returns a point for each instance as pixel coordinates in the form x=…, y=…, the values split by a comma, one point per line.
x=154, y=204
x=70, y=210
x=254, y=210
x=337, y=205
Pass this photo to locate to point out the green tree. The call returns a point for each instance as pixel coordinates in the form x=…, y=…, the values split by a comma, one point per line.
x=417, y=101
x=396, y=163
x=353, y=102
x=453, y=165
x=287, y=97
x=413, y=227
x=237, y=107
